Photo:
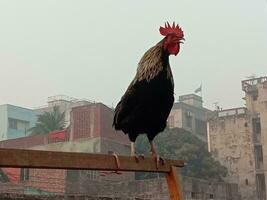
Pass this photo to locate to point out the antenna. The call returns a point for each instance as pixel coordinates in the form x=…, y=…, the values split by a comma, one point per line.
x=216, y=105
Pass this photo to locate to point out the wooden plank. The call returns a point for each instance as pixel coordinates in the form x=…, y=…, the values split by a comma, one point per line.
x=174, y=185
x=19, y=158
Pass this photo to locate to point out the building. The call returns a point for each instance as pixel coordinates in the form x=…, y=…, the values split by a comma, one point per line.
x=90, y=131
x=256, y=103
x=15, y=121
x=65, y=104
x=230, y=142
x=188, y=113
x=237, y=138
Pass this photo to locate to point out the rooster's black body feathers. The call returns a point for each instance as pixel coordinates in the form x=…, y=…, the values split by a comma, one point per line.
x=145, y=106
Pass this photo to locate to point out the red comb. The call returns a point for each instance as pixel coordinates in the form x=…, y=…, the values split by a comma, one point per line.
x=171, y=29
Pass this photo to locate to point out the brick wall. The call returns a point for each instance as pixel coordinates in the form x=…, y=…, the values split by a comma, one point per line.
x=155, y=189
x=54, y=197
x=30, y=141
x=11, y=188
x=85, y=121
x=94, y=120
x=106, y=129
x=24, y=142
x=49, y=180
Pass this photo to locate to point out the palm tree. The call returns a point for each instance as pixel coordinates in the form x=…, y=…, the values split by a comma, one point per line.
x=49, y=121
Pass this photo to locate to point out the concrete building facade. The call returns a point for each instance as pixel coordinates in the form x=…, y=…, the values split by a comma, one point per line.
x=15, y=121
x=188, y=113
x=237, y=138
x=256, y=103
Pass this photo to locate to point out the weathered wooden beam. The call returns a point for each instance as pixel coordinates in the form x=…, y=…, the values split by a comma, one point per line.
x=19, y=158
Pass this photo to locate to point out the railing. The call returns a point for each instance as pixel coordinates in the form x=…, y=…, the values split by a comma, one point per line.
x=18, y=158
x=250, y=84
x=231, y=112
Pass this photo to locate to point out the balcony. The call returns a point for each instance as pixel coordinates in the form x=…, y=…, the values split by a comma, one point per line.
x=250, y=85
x=232, y=112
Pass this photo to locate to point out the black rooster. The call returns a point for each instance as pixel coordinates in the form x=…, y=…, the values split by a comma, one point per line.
x=145, y=106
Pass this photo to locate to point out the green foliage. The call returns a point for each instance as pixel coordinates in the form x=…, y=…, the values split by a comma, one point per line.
x=3, y=177
x=49, y=121
x=180, y=144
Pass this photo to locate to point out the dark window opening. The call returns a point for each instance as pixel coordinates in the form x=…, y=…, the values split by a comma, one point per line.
x=17, y=124
x=211, y=196
x=260, y=186
x=73, y=175
x=25, y=174
x=258, y=157
x=12, y=123
x=256, y=128
x=256, y=123
x=246, y=181
x=188, y=115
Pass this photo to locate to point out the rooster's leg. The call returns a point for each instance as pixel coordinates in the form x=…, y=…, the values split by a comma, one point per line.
x=157, y=158
x=133, y=153
x=117, y=160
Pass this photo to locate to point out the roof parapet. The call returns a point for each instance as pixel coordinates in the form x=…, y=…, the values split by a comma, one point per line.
x=250, y=85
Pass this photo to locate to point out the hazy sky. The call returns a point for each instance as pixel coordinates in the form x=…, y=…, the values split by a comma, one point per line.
x=90, y=49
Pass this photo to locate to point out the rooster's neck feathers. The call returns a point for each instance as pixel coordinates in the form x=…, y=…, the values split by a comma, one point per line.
x=152, y=63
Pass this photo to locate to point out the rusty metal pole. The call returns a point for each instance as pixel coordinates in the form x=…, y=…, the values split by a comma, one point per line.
x=174, y=185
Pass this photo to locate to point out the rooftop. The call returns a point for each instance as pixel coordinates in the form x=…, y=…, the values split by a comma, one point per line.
x=250, y=85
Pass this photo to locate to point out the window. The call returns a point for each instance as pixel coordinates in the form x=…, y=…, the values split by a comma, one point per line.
x=258, y=157
x=256, y=124
x=12, y=123
x=260, y=186
x=17, y=124
x=193, y=195
x=24, y=175
x=246, y=181
x=211, y=196
x=92, y=175
x=188, y=118
x=256, y=130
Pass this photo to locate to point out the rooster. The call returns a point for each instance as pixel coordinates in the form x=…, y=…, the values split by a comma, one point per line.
x=147, y=102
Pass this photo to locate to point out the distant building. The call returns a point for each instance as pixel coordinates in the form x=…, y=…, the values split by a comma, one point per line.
x=237, y=138
x=190, y=115
x=65, y=104
x=15, y=121
x=90, y=131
